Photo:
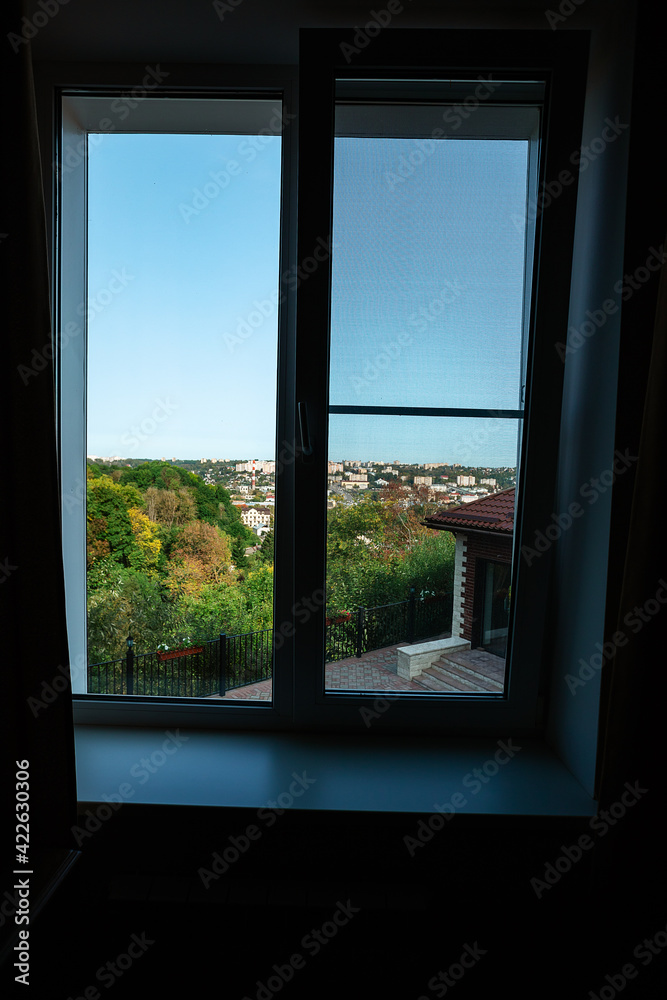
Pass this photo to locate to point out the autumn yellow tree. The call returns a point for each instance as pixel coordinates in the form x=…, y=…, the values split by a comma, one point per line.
x=145, y=535
x=201, y=556
x=170, y=507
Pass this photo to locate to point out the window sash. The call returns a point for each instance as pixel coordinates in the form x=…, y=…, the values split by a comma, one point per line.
x=79, y=111
x=459, y=56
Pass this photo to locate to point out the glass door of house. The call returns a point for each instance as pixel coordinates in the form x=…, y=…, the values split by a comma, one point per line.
x=495, y=621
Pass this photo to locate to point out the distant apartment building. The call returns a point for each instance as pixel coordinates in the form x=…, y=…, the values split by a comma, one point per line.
x=266, y=468
x=390, y=469
x=465, y=480
x=423, y=480
x=335, y=467
x=489, y=482
x=255, y=517
x=358, y=477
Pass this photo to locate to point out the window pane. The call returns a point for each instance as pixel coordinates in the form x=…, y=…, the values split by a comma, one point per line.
x=428, y=270
x=429, y=300
x=397, y=577
x=183, y=262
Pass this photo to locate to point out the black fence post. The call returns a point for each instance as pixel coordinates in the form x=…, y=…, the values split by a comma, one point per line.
x=360, y=631
x=129, y=665
x=411, y=615
x=223, y=663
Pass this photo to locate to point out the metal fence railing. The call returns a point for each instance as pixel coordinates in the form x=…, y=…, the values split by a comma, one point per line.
x=232, y=661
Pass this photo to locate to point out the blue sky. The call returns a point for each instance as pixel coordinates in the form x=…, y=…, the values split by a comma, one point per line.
x=194, y=269
x=183, y=281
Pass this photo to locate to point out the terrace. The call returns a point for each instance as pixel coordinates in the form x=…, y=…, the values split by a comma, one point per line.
x=406, y=646
x=472, y=671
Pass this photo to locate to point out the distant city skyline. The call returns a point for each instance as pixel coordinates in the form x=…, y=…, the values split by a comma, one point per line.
x=375, y=463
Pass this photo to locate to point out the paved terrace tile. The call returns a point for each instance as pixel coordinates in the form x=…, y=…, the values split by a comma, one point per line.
x=376, y=671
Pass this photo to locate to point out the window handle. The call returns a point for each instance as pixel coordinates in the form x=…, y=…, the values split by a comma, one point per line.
x=306, y=446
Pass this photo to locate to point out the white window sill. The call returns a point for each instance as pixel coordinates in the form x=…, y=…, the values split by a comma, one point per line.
x=251, y=770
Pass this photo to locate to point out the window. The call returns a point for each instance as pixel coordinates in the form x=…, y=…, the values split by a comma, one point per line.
x=505, y=131
x=432, y=255
x=362, y=117
x=194, y=219
x=142, y=182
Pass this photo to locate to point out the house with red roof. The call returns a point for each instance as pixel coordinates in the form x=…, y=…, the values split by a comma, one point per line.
x=484, y=532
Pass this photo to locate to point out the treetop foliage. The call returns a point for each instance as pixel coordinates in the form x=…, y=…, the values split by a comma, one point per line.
x=166, y=559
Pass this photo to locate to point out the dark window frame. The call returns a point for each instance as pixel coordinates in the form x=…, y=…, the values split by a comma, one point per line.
x=562, y=62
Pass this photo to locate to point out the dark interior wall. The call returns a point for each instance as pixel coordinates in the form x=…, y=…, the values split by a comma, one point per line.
x=130, y=31
x=590, y=354
x=637, y=545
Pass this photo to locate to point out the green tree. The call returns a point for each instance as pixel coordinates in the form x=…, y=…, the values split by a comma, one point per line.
x=108, y=506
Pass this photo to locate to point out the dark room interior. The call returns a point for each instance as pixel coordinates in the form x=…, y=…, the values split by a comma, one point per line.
x=215, y=877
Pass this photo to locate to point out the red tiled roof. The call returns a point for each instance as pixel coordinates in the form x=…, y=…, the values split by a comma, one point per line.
x=491, y=513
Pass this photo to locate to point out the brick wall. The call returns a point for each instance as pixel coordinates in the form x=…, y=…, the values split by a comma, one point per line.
x=473, y=548
x=458, y=602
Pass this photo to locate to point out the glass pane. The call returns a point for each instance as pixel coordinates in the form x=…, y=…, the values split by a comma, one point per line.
x=428, y=262
x=431, y=248
x=402, y=586
x=495, y=625
x=183, y=265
